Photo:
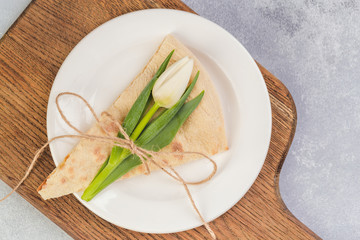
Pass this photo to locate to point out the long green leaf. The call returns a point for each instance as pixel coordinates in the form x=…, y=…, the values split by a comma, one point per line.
x=156, y=126
x=164, y=138
x=136, y=111
x=167, y=134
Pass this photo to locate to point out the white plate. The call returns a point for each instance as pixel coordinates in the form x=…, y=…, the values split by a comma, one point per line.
x=103, y=64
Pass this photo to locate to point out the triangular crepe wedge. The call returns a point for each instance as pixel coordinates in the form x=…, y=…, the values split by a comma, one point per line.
x=202, y=132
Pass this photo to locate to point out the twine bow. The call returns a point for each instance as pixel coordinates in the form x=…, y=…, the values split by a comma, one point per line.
x=144, y=154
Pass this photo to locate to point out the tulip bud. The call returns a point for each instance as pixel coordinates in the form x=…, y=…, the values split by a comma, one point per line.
x=171, y=85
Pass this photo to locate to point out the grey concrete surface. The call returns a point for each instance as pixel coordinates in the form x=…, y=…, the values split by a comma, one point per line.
x=313, y=46
x=9, y=11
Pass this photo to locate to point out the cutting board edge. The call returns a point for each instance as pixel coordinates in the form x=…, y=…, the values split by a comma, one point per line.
x=283, y=158
x=277, y=176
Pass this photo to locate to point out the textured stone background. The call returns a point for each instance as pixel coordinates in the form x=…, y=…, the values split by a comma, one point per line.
x=313, y=46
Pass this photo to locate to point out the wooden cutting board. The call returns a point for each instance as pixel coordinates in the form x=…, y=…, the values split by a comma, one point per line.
x=31, y=53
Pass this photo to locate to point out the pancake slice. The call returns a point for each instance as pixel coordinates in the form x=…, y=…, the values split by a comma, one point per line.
x=203, y=131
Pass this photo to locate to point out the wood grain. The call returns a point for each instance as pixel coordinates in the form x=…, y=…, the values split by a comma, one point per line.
x=31, y=53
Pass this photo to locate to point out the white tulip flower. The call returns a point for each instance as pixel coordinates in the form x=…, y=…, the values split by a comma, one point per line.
x=171, y=85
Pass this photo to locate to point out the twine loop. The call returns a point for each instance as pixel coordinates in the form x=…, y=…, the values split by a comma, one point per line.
x=144, y=155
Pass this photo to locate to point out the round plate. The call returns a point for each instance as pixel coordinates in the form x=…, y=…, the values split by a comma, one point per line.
x=101, y=66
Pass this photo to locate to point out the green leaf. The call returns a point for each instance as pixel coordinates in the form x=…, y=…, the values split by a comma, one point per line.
x=164, y=138
x=157, y=125
x=136, y=111
x=168, y=133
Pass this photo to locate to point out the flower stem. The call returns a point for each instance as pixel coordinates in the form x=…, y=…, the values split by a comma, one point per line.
x=137, y=131
x=142, y=124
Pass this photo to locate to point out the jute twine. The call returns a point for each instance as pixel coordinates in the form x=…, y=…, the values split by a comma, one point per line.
x=144, y=155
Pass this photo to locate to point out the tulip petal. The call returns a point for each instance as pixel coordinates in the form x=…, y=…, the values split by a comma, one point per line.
x=173, y=82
